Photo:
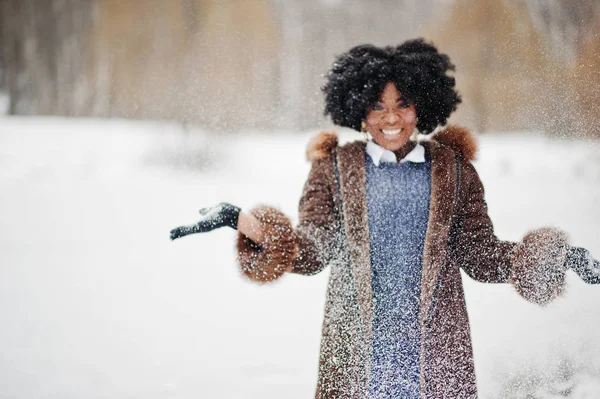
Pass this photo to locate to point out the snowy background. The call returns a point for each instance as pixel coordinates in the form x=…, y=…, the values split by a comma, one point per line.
x=97, y=302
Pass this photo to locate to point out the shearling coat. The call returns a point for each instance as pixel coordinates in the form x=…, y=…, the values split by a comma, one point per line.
x=333, y=231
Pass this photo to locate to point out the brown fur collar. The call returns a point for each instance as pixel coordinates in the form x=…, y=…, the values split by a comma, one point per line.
x=459, y=139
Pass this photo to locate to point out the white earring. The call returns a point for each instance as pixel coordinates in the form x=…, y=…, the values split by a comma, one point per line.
x=415, y=134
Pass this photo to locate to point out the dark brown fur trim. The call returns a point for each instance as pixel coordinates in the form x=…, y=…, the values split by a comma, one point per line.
x=270, y=260
x=321, y=145
x=443, y=181
x=538, y=272
x=354, y=198
x=460, y=139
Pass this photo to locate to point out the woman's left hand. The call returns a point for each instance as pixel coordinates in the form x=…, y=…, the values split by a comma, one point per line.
x=582, y=263
x=221, y=215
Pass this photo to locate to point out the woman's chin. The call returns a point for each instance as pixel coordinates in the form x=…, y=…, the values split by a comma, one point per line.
x=394, y=143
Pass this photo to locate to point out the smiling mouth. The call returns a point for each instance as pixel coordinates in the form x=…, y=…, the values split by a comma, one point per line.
x=391, y=132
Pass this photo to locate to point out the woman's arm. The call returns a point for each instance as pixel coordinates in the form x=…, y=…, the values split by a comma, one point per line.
x=267, y=244
x=277, y=247
x=535, y=266
x=475, y=247
x=317, y=227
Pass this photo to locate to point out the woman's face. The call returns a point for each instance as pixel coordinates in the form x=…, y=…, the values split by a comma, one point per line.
x=392, y=120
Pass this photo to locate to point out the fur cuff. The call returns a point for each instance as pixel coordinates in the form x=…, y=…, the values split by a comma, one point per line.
x=538, y=272
x=267, y=262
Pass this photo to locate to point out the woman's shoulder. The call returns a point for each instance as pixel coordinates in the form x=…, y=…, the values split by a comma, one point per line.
x=456, y=138
x=324, y=144
x=321, y=145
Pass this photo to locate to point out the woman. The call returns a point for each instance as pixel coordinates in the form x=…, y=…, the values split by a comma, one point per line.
x=395, y=219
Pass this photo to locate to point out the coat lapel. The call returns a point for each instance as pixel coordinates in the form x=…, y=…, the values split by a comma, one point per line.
x=351, y=159
x=443, y=184
x=441, y=206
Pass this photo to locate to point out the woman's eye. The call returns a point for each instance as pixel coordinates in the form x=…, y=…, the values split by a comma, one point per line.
x=377, y=107
x=404, y=104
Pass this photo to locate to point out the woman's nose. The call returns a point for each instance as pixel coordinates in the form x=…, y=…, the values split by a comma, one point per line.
x=391, y=117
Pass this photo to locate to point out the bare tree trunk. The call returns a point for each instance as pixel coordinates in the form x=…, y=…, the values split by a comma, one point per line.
x=10, y=53
x=43, y=53
x=2, y=62
x=565, y=24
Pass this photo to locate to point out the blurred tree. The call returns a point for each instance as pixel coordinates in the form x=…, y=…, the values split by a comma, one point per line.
x=566, y=24
x=2, y=66
x=510, y=76
x=212, y=61
x=587, y=83
x=41, y=46
x=231, y=64
x=572, y=30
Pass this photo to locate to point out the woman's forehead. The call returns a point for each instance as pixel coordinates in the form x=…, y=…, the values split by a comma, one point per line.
x=390, y=92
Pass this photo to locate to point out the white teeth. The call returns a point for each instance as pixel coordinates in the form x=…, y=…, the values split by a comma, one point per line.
x=391, y=132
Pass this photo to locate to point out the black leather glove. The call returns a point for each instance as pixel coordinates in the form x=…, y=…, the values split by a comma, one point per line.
x=582, y=263
x=221, y=215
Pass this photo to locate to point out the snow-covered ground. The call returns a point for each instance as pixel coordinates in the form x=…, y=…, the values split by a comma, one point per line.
x=97, y=302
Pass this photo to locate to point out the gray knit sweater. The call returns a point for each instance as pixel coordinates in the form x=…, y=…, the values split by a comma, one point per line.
x=398, y=210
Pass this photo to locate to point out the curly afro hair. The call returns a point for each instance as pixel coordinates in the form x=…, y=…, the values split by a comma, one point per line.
x=358, y=77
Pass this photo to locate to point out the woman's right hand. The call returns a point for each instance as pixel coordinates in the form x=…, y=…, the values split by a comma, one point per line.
x=221, y=215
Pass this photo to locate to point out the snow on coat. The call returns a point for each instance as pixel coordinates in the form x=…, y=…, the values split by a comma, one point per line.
x=333, y=231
